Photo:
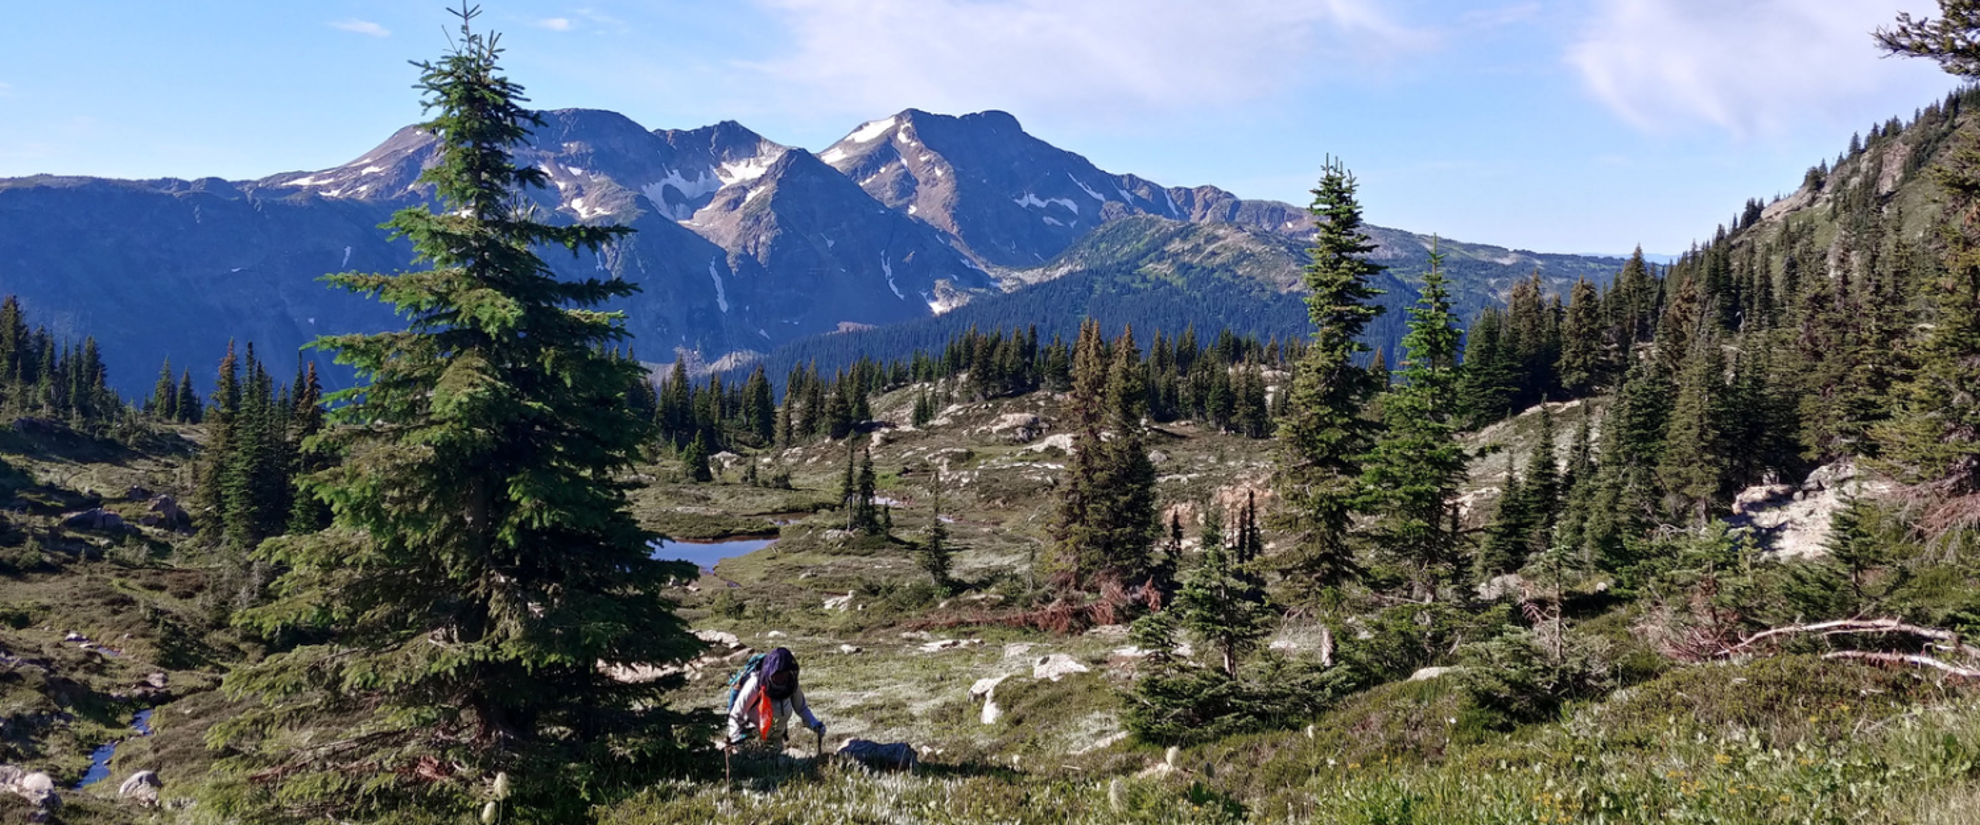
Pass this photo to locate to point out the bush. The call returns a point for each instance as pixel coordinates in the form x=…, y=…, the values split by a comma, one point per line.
x=1527, y=679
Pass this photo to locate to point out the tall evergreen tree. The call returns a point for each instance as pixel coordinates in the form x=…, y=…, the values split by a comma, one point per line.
x=1411, y=476
x=1323, y=436
x=483, y=563
x=1933, y=438
x=1693, y=466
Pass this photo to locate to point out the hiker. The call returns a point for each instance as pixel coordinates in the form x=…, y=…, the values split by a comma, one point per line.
x=768, y=696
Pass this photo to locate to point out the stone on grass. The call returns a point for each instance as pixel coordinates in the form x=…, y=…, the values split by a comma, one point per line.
x=719, y=637
x=141, y=786
x=891, y=756
x=1056, y=666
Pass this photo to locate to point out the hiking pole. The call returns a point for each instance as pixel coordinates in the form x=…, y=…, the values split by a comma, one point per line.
x=728, y=777
x=818, y=754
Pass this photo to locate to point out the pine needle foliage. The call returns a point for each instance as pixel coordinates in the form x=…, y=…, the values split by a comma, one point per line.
x=482, y=568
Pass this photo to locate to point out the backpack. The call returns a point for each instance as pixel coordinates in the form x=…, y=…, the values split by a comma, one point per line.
x=736, y=682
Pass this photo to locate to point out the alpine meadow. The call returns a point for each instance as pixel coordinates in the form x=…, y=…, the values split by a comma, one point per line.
x=538, y=467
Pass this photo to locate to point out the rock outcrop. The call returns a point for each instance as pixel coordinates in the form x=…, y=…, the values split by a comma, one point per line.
x=1793, y=520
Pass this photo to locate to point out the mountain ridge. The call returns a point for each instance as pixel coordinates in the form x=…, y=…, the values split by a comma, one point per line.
x=744, y=243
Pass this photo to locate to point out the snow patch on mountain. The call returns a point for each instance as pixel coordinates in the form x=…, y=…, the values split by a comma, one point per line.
x=887, y=267
x=834, y=155
x=1032, y=200
x=869, y=131
x=721, y=295
x=1087, y=189
x=746, y=170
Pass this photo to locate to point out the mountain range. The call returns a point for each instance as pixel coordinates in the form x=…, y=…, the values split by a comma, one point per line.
x=744, y=245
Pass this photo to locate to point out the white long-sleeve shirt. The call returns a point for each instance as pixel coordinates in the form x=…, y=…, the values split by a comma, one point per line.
x=746, y=722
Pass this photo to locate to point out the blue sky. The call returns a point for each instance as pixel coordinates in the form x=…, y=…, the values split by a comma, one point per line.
x=1589, y=126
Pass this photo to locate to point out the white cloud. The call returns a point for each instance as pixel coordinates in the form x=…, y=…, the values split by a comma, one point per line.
x=555, y=24
x=6, y=90
x=364, y=27
x=1753, y=67
x=1092, y=57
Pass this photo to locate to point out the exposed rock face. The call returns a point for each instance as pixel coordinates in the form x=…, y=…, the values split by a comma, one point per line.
x=1793, y=520
x=1018, y=427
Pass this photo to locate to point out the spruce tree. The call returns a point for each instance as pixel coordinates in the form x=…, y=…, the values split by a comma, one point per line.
x=1125, y=511
x=164, y=401
x=694, y=461
x=482, y=569
x=307, y=514
x=1221, y=602
x=211, y=470
x=1077, y=548
x=1323, y=436
x=1693, y=466
x=1581, y=363
x=1933, y=437
x=935, y=550
x=1411, y=476
x=865, y=516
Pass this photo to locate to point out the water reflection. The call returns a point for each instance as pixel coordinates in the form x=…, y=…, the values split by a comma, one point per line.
x=705, y=554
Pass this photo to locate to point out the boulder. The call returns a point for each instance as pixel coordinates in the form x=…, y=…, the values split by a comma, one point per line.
x=1056, y=666
x=1063, y=442
x=1429, y=673
x=940, y=645
x=891, y=756
x=1793, y=521
x=719, y=638
x=851, y=649
x=93, y=519
x=39, y=790
x=142, y=787
x=1760, y=497
x=839, y=602
x=165, y=513
x=1504, y=586
x=1019, y=428
x=986, y=686
x=985, y=689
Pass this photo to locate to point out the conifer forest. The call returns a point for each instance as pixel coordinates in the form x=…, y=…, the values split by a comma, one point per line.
x=1690, y=541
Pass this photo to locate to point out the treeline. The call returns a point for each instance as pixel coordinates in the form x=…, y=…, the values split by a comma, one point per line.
x=257, y=432
x=1847, y=328
x=1115, y=297
x=1222, y=382
x=43, y=377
